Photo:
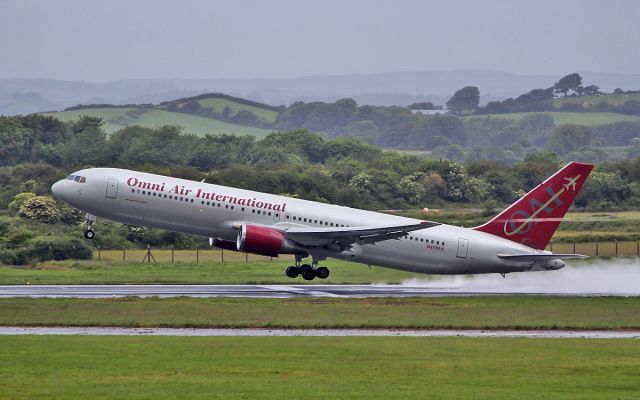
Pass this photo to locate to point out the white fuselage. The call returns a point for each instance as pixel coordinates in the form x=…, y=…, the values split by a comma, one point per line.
x=139, y=198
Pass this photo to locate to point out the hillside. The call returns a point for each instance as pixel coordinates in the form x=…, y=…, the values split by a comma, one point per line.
x=116, y=118
x=216, y=103
x=615, y=99
x=560, y=118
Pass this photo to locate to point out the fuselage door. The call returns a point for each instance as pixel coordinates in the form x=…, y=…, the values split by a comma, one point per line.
x=112, y=188
x=463, y=248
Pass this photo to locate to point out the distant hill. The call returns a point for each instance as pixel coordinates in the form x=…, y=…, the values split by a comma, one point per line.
x=116, y=118
x=22, y=96
x=222, y=106
x=561, y=118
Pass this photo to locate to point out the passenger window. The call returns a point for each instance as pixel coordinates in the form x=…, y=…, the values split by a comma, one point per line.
x=133, y=190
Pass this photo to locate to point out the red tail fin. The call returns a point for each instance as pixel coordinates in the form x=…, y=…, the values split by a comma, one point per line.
x=534, y=218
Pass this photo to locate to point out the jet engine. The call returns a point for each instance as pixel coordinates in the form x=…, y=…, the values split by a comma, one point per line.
x=266, y=242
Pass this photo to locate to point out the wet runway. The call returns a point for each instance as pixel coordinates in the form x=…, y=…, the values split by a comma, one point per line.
x=265, y=291
x=100, y=331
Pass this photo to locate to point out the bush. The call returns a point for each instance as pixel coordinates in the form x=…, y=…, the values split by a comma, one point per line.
x=40, y=208
x=19, y=200
x=8, y=257
x=53, y=249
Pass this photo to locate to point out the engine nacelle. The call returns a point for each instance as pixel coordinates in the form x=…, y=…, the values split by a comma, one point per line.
x=264, y=241
x=224, y=244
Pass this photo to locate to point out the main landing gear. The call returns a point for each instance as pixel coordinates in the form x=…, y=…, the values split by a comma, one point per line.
x=89, y=220
x=308, y=272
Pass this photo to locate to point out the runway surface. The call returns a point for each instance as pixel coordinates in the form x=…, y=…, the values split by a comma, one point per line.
x=99, y=331
x=264, y=291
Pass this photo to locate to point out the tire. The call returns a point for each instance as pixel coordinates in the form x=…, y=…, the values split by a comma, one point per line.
x=322, y=272
x=89, y=234
x=308, y=274
x=292, y=272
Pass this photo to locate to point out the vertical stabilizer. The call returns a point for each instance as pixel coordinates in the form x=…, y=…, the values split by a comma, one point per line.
x=534, y=218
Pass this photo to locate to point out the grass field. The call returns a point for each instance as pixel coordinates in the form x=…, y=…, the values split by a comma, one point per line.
x=580, y=118
x=218, y=105
x=36, y=367
x=118, y=118
x=205, y=272
x=501, y=312
x=615, y=99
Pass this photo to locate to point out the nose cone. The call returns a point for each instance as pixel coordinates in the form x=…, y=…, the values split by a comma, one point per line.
x=58, y=189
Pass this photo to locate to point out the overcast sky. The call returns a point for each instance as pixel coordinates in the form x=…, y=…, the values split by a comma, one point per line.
x=117, y=39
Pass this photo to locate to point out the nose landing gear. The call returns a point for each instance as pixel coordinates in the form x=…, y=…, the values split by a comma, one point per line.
x=308, y=272
x=89, y=219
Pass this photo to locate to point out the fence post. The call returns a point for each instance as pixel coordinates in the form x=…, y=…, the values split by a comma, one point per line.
x=616, y=240
x=99, y=254
x=246, y=257
x=638, y=247
x=597, y=248
x=221, y=255
x=124, y=253
x=173, y=249
x=574, y=247
x=197, y=254
x=551, y=247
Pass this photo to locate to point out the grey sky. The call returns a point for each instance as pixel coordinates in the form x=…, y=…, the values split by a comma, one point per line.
x=106, y=40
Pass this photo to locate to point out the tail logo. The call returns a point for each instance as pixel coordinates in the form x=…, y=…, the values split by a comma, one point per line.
x=521, y=221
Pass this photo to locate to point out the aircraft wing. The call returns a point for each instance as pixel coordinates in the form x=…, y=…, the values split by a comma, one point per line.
x=309, y=236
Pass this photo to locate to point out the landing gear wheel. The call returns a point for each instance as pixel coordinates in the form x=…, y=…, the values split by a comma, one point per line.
x=308, y=274
x=292, y=271
x=89, y=234
x=322, y=272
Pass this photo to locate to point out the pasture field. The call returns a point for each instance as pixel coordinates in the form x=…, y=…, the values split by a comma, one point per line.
x=76, y=367
x=614, y=99
x=561, y=118
x=483, y=312
x=218, y=105
x=117, y=118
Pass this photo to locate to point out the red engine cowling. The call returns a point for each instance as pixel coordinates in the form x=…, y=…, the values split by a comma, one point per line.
x=260, y=240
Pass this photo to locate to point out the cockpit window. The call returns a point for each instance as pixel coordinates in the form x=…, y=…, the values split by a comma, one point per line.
x=77, y=178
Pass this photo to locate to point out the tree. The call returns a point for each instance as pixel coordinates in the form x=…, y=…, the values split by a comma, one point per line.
x=567, y=138
x=568, y=82
x=464, y=99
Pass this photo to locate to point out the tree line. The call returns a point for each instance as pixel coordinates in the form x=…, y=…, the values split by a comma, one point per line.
x=36, y=150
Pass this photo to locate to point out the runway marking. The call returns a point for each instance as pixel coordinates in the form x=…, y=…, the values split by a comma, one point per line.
x=102, y=331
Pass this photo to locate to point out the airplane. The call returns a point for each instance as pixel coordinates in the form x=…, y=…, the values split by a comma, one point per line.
x=271, y=225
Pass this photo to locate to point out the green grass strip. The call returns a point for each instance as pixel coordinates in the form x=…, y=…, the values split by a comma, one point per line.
x=420, y=313
x=37, y=367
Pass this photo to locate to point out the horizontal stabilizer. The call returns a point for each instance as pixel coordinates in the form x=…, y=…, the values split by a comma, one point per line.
x=539, y=257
